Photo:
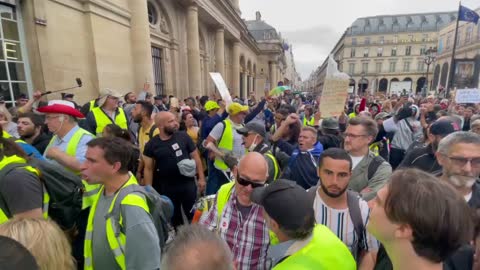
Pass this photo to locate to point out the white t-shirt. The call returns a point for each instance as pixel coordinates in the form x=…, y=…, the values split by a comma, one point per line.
x=340, y=223
x=356, y=160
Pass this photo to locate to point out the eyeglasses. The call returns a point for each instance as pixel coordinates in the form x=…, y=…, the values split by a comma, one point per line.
x=244, y=182
x=461, y=162
x=354, y=136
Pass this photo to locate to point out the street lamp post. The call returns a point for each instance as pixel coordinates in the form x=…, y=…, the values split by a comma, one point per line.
x=361, y=83
x=429, y=59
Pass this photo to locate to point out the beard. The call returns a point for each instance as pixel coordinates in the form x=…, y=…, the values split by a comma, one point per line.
x=169, y=130
x=331, y=194
x=137, y=119
x=460, y=181
x=27, y=134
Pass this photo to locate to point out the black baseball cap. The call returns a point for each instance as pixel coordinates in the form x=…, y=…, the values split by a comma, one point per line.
x=255, y=127
x=443, y=128
x=287, y=203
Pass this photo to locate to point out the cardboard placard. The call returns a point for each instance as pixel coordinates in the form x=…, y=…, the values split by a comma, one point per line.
x=334, y=94
x=467, y=95
x=222, y=87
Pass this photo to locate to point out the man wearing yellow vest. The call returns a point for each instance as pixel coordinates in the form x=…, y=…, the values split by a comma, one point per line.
x=107, y=112
x=303, y=245
x=254, y=135
x=237, y=219
x=228, y=141
x=69, y=143
x=137, y=246
x=21, y=192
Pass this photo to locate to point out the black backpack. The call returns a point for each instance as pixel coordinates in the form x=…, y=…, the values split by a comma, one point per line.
x=64, y=188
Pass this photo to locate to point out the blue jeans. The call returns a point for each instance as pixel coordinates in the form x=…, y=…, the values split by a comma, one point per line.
x=216, y=179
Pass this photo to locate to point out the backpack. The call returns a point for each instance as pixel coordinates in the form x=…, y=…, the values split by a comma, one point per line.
x=64, y=188
x=161, y=210
x=373, y=166
x=353, y=203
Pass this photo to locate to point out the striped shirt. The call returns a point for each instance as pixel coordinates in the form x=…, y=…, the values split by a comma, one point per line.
x=247, y=237
x=340, y=222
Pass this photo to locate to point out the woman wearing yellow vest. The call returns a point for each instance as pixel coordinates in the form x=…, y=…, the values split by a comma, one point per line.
x=137, y=246
x=21, y=192
x=308, y=119
x=303, y=245
x=107, y=112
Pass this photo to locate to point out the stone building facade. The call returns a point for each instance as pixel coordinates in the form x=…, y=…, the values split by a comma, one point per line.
x=376, y=51
x=467, y=57
x=169, y=46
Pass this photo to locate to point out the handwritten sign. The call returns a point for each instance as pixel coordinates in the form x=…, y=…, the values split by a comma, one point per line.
x=222, y=87
x=334, y=94
x=467, y=96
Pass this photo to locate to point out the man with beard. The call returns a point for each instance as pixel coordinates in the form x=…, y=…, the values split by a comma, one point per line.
x=344, y=212
x=459, y=156
x=164, y=157
x=142, y=116
x=30, y=129
x=423, y=158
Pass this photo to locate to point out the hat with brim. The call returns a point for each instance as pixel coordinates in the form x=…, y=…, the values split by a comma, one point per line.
x=61, y=107
x=105, y=93
x=236, y=108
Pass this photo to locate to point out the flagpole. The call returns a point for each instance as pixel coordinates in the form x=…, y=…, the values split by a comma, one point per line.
x=452, y=61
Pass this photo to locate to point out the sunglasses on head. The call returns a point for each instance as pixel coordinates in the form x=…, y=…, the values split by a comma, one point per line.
x=244, y=182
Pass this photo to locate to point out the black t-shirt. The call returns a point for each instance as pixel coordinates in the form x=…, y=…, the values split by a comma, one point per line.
x=21, y=191
x=166, y=155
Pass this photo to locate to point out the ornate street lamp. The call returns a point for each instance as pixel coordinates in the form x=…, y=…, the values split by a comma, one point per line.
x=428, y=59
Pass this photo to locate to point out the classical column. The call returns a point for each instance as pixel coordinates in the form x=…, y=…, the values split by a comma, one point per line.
x=273, y=75
x=236, y=68
x=193, y=49
x=141, y=45
x=220, y=52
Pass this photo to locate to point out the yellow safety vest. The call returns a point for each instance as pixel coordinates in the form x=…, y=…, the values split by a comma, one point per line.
x=275, y=164
x=89, y=190
x=103, y=120
x=324, y=251
x=310, y=122
x=92, y=105
x=223, y=195
x=6, y=135
x=352, y=115
x=116, y=243
x=46, y=198
x=225, y=143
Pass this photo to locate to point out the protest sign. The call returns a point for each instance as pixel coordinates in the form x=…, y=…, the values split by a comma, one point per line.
x=467, y=96
x=222, y=87
x=335, y=91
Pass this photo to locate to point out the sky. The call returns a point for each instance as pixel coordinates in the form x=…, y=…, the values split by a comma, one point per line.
x=313, y=27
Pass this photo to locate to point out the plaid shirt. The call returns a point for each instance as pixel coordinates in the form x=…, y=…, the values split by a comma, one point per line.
x=248, y=238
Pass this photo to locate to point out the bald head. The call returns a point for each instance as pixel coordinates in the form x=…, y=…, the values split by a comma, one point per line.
x=254, y=163
x=166, y=122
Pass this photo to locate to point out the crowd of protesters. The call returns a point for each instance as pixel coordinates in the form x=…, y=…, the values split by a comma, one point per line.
x=269, y=183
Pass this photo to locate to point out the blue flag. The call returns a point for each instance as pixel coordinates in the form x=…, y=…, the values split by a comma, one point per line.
x=467, y=15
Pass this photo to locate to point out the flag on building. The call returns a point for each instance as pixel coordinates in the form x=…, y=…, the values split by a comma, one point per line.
x=467, y=15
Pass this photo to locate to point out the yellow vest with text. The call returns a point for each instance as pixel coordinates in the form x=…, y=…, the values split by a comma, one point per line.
x=116, y=243
x=310, y=122
x=89, y=191
x=324, y=252
x=46, y=198
x=103, y=120
x=225, y=144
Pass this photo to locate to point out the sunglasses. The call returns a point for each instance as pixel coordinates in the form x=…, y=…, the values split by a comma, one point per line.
x=244, y=182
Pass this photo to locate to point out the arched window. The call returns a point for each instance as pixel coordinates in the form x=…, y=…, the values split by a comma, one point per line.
x=152, y=14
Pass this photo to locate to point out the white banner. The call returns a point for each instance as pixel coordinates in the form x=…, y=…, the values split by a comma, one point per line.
x=222, y=87
x=467, y=95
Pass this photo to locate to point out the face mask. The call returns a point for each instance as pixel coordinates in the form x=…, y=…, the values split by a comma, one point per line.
x=253, y=145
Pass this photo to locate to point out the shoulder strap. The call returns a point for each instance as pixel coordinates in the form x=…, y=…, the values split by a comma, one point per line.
x=411, y=129
x=152, y=130
x=355, y=214
x=115, y=213
x=373, y=166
